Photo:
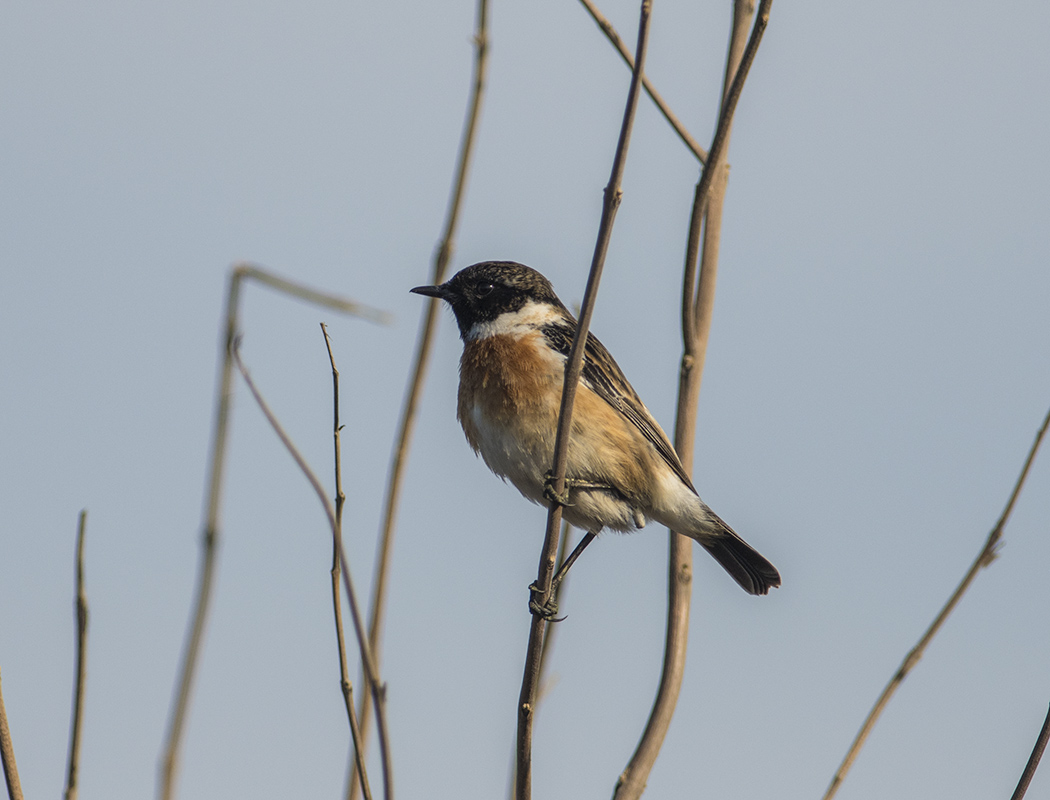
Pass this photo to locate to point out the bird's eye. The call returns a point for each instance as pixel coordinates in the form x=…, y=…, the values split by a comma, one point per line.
x=484, y=289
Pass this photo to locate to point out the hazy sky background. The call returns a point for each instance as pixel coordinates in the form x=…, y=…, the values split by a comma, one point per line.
x=877, y=370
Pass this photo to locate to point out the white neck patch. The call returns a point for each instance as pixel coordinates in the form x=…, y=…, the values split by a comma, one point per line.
x=530, y=317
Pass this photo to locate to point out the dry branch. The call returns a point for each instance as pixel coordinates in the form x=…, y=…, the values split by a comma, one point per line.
x=378, y=689
x=345, y=686
x=716, y=158
x=1033, y=760
x=421, y=360
x=679, y=128
x=81, y=665
x=697, y=308
x=573, y=368
x=216, y=473
x=984, y=558
x=7, y=755
x=544, y=681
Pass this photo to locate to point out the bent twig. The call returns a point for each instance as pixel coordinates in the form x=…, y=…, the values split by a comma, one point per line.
x=984, y=558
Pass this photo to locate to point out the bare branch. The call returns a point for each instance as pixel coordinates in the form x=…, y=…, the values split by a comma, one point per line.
x=216, y=473
x=716, y=155
x=984, y=558
x=1033, y=760
x=679, y=128
x=78, y=688
x=367, y=659
x=698, y=308
x=564, y=548
x=337, y=606
x=7, y=755
x=324, y=299
x=414, y=390
x=573, y=367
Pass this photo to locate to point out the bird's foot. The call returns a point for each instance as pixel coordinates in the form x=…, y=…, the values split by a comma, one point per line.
x=545, y=610
x=553, y=496
x=562, y=498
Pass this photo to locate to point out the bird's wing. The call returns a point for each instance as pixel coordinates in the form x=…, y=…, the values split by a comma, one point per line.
x=603, y=376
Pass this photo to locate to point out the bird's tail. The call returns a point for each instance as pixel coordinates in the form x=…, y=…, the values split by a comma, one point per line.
x=683, y=511
x=744, y=563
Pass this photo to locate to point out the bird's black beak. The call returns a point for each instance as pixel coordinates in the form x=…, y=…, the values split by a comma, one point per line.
x=432, y=291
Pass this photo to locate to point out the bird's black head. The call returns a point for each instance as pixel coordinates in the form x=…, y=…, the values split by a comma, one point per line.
x=483, y=292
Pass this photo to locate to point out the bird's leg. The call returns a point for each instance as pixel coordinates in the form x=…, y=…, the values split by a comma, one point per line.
x=549, y=609
x=559, y=576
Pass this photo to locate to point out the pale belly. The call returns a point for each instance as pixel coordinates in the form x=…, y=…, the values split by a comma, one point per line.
x=510, y=417
x=525, y=457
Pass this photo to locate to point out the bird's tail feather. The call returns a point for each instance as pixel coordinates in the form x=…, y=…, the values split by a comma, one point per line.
x=681, y=510
x=746, y=565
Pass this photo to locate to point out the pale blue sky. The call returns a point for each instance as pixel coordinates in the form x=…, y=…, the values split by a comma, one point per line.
x=877, y=370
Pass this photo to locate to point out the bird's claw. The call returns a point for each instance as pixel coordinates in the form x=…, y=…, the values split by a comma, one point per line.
x=547, y=610
x=570, y=483
x=562, y=499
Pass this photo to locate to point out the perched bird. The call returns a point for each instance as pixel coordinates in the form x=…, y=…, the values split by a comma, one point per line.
x=622, y=471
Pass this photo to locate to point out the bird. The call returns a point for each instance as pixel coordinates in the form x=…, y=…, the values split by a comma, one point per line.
x=622, y=470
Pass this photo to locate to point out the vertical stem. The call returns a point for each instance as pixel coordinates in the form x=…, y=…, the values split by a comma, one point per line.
x=81, y=665
x=337, y=545
x=7, y=755
x=697, y=310
x=719, y=146
x=406, y=425
x=209, y=538
x=573, y=367
x=377, y=687
x=1033, y=760
x=216, y=472
x=564, y=548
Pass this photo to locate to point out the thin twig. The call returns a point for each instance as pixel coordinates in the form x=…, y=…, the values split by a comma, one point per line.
x=984, y=558
x=371, y=670
x=316, y=297
x=696, y=327
x=421, y=360
x=573, y=367
x=78, y=688
x=337, y=606
x=216, y=472
x=679, y=128
x=7, y=755
x=716, y=156
x=1033, y=760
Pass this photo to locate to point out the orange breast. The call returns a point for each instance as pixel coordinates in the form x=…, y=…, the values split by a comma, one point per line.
x=510, y=381
x=509, y=398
